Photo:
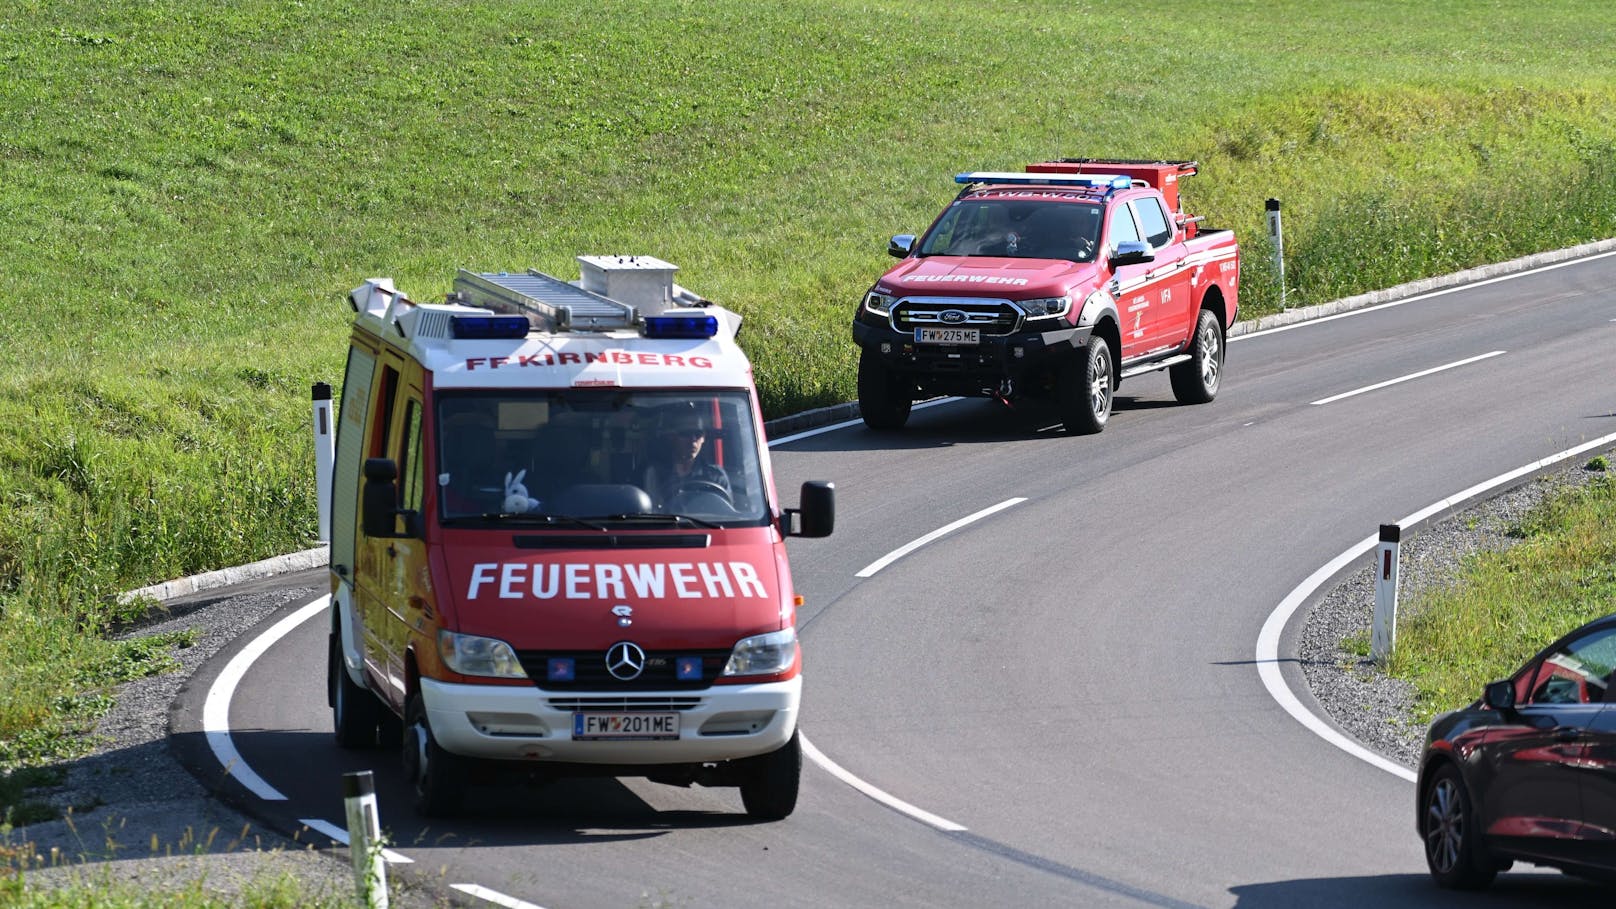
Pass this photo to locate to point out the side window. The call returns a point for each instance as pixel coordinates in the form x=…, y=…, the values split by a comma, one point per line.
x=1122, y=229
x=380, y=441
x=1578, y=673
x=411, y=469
x=1157, y=231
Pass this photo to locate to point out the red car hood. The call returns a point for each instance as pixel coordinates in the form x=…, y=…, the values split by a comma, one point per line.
x=586, y=598
x=967, y=276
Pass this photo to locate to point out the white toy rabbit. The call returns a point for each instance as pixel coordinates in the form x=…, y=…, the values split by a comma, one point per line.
x=516, y=497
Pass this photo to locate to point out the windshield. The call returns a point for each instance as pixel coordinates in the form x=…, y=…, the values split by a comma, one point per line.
x=1017, y=228
x=658, y=457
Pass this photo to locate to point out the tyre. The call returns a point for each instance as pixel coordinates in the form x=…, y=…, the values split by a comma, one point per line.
x=1453, y=849
x=437, y=777
x=884, y=396
x=356, y=714
x=1196, y=380
x=1087, y=389
x=770, y=781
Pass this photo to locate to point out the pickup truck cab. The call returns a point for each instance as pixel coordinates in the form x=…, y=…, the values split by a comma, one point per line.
x=557, y=546
x=1055, y=283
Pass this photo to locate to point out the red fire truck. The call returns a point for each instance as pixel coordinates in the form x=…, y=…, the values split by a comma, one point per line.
x=1057, y=283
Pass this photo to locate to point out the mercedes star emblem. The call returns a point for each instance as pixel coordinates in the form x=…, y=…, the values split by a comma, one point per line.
x=625, y=661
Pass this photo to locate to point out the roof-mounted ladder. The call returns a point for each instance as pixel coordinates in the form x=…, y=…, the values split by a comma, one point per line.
x=551, y=303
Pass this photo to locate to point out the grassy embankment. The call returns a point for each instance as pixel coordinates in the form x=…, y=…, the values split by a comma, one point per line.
x=1504, y=607
x=187, y=189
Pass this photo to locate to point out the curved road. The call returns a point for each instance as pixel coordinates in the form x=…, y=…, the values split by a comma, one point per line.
x=1065, y=685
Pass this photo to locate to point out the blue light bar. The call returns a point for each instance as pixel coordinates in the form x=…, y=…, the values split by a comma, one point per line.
x=1096, y=181
x=680, y=326
x=482, y=328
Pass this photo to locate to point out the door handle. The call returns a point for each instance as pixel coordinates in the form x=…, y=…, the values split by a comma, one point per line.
x=392, y=551
x=1567, y=733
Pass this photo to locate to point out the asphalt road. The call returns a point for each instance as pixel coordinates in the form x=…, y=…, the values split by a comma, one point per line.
x=1066, y=685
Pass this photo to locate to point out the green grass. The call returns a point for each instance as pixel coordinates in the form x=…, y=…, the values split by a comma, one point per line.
x=1506, y=606
x=188, y=189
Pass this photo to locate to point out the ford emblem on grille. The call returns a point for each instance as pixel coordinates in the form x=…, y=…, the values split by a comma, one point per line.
x=625, y=661
x=951, y=316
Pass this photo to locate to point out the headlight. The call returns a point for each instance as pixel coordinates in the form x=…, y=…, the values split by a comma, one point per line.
x=763, y=654
x=878, y=303
x=468, y=654
x=1049, y=306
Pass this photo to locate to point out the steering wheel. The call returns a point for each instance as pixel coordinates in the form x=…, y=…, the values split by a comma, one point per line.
x=708, y=487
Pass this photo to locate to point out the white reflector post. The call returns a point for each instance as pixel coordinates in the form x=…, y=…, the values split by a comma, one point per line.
x=365, y=838
x=325, y=449
x=1383, y=632
x=1276, y=232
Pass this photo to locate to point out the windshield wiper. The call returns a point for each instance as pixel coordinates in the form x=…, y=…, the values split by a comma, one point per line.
x=525, y=517
x=658, y=518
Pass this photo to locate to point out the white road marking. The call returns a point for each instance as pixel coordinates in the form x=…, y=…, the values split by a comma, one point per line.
x=494, y=896
x=891, y=801
x=216, y=709
x=1426, y=296
x=907, y=548
x=1413, y=375
x=808, y=434
x=340, y=835
x=1268, y=640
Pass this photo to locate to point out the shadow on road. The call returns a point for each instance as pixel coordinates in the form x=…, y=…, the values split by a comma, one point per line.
x=1512, y=889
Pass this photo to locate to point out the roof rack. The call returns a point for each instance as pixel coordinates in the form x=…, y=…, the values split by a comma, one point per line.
x=552, y=303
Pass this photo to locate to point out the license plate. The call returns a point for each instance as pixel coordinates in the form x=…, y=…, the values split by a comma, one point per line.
x=625, y=726
x=948, y=336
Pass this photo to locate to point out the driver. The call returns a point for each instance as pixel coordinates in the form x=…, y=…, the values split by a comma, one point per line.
x=677, y=464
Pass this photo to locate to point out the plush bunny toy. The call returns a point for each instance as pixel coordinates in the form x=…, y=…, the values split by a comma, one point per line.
x=516, y=497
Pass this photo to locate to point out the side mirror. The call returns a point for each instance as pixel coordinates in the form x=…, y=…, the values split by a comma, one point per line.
x=1132, y=252
x=817, y=516
x=379, y=501
x=1499, y=696
x=901, y=245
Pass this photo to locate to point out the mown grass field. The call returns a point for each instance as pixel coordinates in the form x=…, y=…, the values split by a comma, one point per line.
x=188, y=189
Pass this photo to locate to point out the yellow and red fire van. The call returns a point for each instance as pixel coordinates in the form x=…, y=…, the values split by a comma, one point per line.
x=556, y=541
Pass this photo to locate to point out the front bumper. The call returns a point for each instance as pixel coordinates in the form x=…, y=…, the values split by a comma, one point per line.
x=967, y=369
x=720, y=723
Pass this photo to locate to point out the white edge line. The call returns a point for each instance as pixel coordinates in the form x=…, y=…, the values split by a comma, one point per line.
x=340, y=836
x=1425, y=296
x=810, y=433
x=216, y=709
x=1413, y=375
x=494, y=896
x=1268, y=667
x=891, y=801
x=907, y=548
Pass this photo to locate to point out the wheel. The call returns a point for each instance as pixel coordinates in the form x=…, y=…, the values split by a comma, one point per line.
x=438, y=777
x=1195, y=381
x=884, y=396
x=770, y=782
x=1086, y=389
x=1453, y=849
x=356, y=714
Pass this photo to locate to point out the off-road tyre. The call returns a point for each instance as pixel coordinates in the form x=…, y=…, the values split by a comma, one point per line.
x=885, y=397
x=1086, y=388
x=770, y=781
x=1196, y=380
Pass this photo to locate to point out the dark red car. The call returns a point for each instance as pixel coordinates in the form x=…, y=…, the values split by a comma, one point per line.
x=1527, y=773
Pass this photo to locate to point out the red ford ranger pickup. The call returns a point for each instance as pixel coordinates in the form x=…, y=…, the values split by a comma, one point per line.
x=1056, y=283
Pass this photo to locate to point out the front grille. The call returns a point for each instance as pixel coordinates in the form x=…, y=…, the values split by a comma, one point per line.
x=626, y=704
x=993, y=317
x=589, y=670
